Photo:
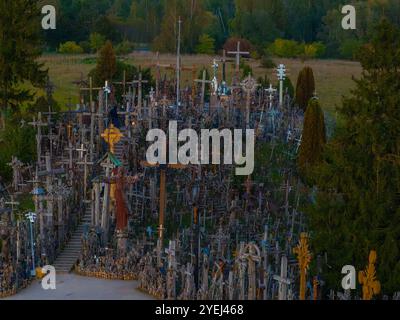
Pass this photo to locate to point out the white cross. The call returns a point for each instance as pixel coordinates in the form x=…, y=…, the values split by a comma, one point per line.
x=281, y=72
x=81, y=151
x=31, y=216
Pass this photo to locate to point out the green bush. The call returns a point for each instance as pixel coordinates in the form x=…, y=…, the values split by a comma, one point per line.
x=206, y=45
x=97, y=41
x=285, y=48
x=85, y=45
x=125, y=47
x=70, y=47
x=266, y=62
x=349, y=48
x=292, y=49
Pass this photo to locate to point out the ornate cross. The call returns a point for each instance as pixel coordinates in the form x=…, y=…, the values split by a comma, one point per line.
x=304, y=258
x=367, y=278
x=112, y=136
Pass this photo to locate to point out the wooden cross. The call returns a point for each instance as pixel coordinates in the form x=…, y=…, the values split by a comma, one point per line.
x=158, y=65
x=249, y=85
x=224, y=60
x=163, y=200
x=283, y=279
x=304, y=259
x=139, y=84
x=85, y=164
x=252, y=253
x=238, y=54
x=90, y=89
x=112, y=136
x=82, y=150
x=38, y=124
x=203, y=82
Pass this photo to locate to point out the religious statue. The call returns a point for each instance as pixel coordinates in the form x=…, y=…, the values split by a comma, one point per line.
x=120, y=180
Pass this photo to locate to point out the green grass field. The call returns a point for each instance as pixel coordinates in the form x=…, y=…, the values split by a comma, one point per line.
x=333, y=77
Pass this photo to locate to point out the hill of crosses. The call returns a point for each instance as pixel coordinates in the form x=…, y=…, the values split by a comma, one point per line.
x=200, y=152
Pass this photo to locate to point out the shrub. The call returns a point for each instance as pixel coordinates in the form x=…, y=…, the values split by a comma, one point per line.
x=85, y=45
x=285, y=48
x=349, y=48
x=125, y=47
x=97, y=41
x=266, y=62
x=70, y=47
x=206, y=45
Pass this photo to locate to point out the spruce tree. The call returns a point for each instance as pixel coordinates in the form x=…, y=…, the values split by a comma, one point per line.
x=106, y=63
x=305, y=87
x=20, y=46
x=314, y=137
x=357, y=203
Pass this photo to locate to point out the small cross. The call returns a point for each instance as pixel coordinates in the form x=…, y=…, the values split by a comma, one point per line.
x=81, y=151
x=31, y=216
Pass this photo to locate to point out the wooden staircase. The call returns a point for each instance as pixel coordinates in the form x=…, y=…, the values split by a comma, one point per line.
x=68, y=257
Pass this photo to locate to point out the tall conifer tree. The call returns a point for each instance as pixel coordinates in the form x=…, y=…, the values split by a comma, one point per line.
x=20, y=46
x=357, y=205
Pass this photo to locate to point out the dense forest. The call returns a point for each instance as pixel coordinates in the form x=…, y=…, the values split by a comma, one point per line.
x=207, y=24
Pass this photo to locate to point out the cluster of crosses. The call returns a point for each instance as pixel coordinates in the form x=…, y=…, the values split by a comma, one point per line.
x=184, y=231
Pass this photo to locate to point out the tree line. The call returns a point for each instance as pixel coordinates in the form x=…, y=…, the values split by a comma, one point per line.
x=207, y=24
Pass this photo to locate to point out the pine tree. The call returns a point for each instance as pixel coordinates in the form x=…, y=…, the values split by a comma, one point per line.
x=314, y=137
x=357, y=203
x=106, y=63
x=206, y=45
x=305, y=87
x=19, y=47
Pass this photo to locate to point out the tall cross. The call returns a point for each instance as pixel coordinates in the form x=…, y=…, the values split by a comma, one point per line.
x=163, y=200
x=367, y=278
x=85, y=164
x=139, y=83
x=283, y=279
x=224, y=60
x=90, y=89
x=178, y=66
x=112, y=136
x=203, y=82
x=238, y=54
x=38, y=124
x=281, y=74
x=249, y=85
x=304, y=259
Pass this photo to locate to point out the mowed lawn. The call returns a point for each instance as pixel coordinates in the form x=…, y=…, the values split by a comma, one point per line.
x=333, y=77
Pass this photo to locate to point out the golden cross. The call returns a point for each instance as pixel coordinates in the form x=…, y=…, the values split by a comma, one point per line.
x=112, y=136
x=304, y=258
x=367, y=278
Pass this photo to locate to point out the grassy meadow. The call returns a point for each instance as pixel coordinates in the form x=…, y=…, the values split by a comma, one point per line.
x=333, y=77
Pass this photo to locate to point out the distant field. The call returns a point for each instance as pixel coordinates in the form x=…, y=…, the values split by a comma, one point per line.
x=333, y=77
